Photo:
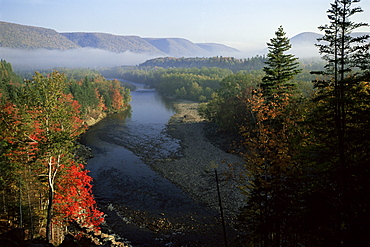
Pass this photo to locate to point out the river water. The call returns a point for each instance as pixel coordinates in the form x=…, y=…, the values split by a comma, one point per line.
x=140, y=205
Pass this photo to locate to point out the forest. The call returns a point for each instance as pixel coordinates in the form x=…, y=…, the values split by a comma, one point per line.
x=306, y=169
x=198, y=79
x=302, y=128
x=234, y=64
x=43, y=184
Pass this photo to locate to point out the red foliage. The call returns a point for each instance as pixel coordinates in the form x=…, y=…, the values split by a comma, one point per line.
x=117, y=99
x=101, y=105
x=73, y=200
x=12, y=133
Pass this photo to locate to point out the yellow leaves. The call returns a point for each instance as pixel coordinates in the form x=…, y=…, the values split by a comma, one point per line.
x=364, y=88
x=269, y=140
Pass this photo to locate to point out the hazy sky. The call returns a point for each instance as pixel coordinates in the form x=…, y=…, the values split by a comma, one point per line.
x=243, y=24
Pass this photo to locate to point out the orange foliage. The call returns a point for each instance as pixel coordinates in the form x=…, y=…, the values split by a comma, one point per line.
x=73, y=199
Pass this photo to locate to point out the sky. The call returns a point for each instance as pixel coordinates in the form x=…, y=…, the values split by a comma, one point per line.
x=242, y=24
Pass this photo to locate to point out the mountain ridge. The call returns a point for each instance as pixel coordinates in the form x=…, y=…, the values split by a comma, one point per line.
x=123, y=49
x=19, y=36
x=29, y=37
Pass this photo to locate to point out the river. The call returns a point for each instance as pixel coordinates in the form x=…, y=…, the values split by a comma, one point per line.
x=140, y=205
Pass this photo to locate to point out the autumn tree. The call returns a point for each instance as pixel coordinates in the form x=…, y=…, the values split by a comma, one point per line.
x=57, y=123
x=38, y=132
x=73, y=198
x=53, y=124
x=280, y=67
x=271, y=140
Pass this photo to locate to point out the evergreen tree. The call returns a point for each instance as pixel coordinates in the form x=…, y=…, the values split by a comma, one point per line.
x=341, y=50
x=281, y=68
x=339, y=128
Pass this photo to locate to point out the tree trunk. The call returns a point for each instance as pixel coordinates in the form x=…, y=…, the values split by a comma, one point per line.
x=49, y=215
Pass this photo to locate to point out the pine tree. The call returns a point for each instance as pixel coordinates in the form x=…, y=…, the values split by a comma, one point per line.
x=338, y=139
x=281, y=68
x=271, y=137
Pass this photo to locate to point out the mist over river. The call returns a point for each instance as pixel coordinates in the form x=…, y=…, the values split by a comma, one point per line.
x=141, y=206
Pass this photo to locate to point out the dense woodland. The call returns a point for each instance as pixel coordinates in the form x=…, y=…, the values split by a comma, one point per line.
x=198, y=79
x=43, y=184
x=234, y=64
x=307, y=157
x=303, y=129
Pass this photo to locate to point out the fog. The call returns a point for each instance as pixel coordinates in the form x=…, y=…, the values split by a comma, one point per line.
x=95, y=58
x=76, y=58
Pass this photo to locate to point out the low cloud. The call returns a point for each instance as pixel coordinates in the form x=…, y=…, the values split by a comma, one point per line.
x=305, y=51
x=76, y=58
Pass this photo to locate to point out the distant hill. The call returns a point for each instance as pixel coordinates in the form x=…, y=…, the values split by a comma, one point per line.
x=31, y=38
x=28, y=37
x=177, y=47
x=303, y=44
x=110, y=42
x=305, y=38
x=213, y=47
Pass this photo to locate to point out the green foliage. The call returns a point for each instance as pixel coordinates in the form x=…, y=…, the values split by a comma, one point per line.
x=9, y=82
x=234, y=64
x=38, y=134
x=97, y=95
x=187, y=86
x=307, y=165
x=227, y=107
x=337, y=149
x=197, y=84
x=281, y=67
x=84, y=93
x=340, y=49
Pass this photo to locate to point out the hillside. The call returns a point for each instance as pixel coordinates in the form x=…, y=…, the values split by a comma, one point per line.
x=113, y=43
x=303, y=44
x=305, y=38
x=31, y=38
x=28, y=37
x=213, y=47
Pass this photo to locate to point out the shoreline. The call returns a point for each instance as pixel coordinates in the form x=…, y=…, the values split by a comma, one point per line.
x=194, y=169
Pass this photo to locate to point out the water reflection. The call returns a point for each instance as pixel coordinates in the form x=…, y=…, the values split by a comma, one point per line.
x=141, y=205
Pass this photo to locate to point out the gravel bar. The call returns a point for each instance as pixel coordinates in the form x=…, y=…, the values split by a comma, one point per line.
x=194, y=170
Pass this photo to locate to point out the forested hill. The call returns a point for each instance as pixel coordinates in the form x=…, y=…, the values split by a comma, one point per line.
x=234, y=64
x=182, y=47
x=28, y=37
x=110, y=42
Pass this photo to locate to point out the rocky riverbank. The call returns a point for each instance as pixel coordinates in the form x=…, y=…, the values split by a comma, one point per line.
x=194, y=170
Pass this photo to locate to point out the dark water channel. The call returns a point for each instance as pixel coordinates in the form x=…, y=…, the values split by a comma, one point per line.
x=142, y=206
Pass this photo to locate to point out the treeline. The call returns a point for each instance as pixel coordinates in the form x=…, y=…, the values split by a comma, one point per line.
x=96, y=95
x=306, y=158
x=195, y=84
x=231, y=63
x=199, y=84
x=43, y=184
